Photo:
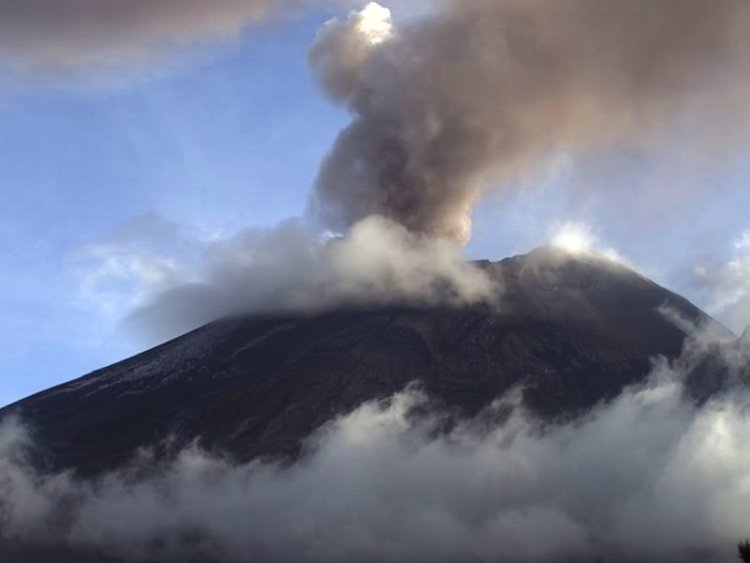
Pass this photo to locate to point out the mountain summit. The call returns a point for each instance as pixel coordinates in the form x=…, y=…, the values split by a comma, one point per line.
x=567, y=332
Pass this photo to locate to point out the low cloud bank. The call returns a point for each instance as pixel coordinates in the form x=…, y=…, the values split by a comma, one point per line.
x=649, y=477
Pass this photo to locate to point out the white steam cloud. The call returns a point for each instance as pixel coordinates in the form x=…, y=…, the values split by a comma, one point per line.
x=579, y=239
x=291, y=269
x=648, y=478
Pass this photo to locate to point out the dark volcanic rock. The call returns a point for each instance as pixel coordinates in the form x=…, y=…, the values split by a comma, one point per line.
x=568, y=332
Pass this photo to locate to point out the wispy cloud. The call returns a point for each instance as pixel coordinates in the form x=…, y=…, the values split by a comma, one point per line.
x=727, y=289
x=59, y=34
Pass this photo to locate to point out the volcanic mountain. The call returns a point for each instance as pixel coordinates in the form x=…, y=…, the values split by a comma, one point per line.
x=566, y=332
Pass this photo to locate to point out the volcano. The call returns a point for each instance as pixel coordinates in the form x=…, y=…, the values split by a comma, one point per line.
x=567, y=332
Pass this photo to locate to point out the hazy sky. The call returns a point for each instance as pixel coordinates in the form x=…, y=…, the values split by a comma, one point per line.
x=112, y=177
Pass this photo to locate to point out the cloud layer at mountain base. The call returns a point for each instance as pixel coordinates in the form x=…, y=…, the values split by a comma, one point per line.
x=649, y=477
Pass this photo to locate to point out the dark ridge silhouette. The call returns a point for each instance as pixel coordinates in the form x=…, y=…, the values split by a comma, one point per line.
x=744, y=551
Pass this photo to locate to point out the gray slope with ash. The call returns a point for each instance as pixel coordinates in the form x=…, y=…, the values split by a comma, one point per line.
x=568, y=333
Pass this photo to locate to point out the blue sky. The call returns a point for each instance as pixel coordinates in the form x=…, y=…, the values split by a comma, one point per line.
x=232, y=139
x=230, y=134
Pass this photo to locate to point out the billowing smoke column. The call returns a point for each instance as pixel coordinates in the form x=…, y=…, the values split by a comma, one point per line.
x=464, y=97
x=482, y=90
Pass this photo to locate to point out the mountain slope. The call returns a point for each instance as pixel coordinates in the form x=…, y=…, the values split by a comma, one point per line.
x=567, y=332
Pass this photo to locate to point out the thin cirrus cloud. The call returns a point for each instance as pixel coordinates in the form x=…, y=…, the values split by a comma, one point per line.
x=66, y=34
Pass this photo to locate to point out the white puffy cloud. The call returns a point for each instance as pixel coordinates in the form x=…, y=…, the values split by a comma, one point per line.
x=291, y=268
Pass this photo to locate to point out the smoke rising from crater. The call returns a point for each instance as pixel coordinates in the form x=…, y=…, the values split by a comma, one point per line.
x=480, y=91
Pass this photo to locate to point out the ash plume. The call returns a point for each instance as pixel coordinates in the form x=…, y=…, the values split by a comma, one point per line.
x=477, y=92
